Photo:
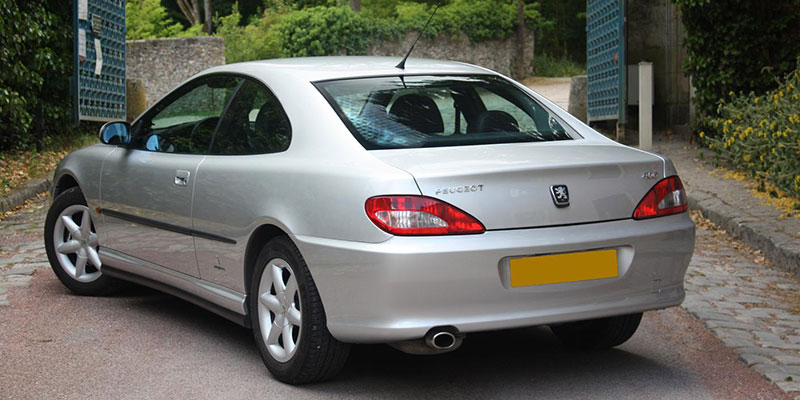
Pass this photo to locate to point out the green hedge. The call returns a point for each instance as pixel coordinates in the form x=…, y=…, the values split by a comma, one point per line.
x=760, y=134
x=36, y=55
x=317, y=31
x=738, y=45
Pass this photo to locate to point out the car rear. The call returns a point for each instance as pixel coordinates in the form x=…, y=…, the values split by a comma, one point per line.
x=520, y=219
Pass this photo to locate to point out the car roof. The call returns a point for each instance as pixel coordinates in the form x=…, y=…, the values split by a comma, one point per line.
x=312, y=69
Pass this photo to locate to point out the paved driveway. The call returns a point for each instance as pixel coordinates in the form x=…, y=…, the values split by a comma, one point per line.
x=143, y=344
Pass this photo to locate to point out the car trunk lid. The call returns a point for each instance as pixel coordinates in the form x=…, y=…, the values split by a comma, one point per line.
x=511, y=186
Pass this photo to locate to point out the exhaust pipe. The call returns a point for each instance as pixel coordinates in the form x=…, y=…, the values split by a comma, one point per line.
x=441, y=340
x=438, y=340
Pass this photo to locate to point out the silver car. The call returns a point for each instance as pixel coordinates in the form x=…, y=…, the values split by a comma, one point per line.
x=339, y=200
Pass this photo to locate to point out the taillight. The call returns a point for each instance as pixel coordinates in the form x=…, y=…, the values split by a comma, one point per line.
x=667, y=197
x=419, y=215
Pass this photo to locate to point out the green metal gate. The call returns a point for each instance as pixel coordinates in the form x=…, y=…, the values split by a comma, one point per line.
x=99, y=52
x=605, y=60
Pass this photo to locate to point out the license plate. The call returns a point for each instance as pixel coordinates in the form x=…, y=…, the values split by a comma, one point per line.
x=566, y=267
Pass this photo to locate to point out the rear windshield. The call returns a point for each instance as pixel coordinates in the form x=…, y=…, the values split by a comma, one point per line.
x=434, y=111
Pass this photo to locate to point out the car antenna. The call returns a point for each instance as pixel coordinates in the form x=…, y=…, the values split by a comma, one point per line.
x=402, y=64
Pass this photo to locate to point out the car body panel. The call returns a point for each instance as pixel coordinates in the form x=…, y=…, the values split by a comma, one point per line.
x=399, y=289
x=377, y=287
x=142, y=184
x=509, y=184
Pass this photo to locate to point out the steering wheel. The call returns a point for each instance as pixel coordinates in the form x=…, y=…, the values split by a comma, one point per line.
x=210, y=122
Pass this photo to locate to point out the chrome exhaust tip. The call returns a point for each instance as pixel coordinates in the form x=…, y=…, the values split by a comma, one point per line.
x=438, y=340
x=442, y=340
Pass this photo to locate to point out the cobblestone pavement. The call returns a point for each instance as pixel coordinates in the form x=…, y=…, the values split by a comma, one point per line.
x=21, y=246
x=748, y=305
x=751, y=307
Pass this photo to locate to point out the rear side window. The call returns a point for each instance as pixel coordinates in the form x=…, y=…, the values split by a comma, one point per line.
x=254, y=123
x=435, y=111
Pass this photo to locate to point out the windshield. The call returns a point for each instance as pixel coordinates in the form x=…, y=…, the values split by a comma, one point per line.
x=434, y=111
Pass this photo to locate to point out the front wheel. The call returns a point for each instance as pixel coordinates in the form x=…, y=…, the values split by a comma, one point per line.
x=288, y=318
x=597, y=334
x=71, y=243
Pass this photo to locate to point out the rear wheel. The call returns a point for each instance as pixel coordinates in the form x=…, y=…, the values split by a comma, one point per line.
x=596, y=334
x=71, y=243
x=288, y=318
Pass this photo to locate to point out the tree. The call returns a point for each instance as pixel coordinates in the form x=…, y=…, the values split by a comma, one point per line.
x=355, y=5
x=207, y=9
x=190, y=10
x=147, y=19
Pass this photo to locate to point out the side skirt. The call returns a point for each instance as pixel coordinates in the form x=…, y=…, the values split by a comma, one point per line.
x=126, y=269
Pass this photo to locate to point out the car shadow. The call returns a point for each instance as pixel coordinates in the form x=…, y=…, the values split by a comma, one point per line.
x=491, y=364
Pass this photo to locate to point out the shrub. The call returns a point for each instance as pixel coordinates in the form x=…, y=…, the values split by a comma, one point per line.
x=36, y=55
x=320, y=31
x=760, y=134
x=255, y=41
x=734, y=44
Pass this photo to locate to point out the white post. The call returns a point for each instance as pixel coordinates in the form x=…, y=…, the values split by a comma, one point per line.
x=645, y=105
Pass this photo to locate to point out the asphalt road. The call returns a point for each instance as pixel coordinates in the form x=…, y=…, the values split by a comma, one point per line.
x=143, y=344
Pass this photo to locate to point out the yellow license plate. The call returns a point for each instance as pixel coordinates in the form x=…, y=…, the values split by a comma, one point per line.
x=560, y=268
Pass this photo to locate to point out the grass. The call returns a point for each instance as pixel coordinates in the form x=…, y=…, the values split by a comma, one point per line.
x=547, y=66
x=16, y=167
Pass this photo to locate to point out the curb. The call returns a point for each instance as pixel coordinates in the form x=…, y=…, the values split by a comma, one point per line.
x=31, y=189
x=780, y=249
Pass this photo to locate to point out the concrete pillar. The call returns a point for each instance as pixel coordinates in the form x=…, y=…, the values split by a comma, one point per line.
x=577, y=97
x=645, y=105
x=135, y=98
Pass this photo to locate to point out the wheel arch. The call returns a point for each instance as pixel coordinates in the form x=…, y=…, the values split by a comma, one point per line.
x=258, y=239
x=64, y=182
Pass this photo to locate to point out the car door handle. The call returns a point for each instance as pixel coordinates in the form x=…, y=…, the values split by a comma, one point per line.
x=181, y=177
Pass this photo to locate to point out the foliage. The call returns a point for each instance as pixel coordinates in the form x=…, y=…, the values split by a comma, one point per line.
x=479, y=19
x=562, y=33
x=254, y=41
x=319, y=31
x=545, y=65
x=760, y=134
x=735, y=45
x=36, y=54
x=147, y=19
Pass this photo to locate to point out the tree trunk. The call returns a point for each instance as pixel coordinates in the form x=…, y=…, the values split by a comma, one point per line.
x=207, y=24
x=190, y=10
x=355, y=5
x=520, y=40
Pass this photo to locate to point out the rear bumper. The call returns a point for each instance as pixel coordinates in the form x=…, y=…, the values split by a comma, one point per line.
x=399, y=289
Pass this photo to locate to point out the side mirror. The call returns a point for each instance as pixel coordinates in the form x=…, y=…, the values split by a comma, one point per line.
x=117, y=133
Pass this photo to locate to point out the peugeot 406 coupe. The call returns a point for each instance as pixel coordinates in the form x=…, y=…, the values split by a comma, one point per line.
x=331, y=201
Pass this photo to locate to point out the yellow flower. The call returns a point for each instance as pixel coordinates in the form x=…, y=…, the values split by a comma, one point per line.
x=730, y=93
x=756, y=100
x=746, y=157
x=762, y=158
x=702, y=134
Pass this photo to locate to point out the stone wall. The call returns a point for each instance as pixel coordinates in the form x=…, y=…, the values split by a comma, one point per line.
x=161, y=64
x=497, y=55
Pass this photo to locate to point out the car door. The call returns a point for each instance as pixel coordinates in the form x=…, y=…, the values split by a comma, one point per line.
x=147, y=188
x=247, y=150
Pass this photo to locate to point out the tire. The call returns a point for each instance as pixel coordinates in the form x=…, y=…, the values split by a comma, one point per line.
x=311, y=354
x=78, y=270
x=598, y=334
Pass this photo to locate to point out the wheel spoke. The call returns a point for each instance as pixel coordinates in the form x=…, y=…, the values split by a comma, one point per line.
x=92, y=241
x=73, y=229
x=288, y=340
x=291, y=288
x=294, y=316
x=86, y=223
x=271, y=302
x=274, y=333
x=68, y=247
x=277, y=278
x=80, y=266
x=94, y=258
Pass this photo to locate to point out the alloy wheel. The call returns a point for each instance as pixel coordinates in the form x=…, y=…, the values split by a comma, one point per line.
x=279, y=309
